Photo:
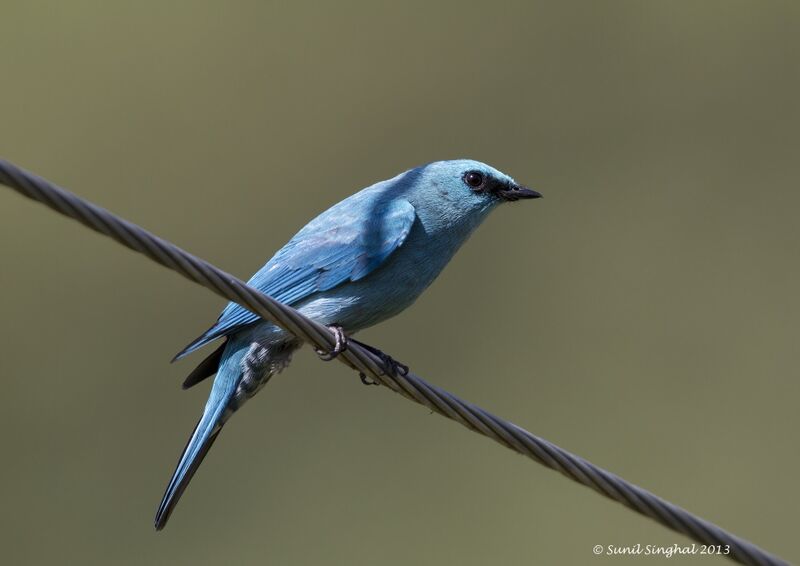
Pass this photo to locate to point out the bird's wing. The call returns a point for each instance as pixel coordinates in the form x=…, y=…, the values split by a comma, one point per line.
x=338, y=246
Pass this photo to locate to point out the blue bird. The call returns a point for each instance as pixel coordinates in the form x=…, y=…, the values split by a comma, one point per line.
x=358, y=263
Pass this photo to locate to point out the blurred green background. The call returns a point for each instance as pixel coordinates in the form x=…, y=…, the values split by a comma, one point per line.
x=643, y=315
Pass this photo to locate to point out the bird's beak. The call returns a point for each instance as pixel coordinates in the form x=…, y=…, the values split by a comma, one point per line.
x=517, y=192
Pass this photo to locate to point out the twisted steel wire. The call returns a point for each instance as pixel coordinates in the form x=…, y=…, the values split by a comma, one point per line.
x=410, y=385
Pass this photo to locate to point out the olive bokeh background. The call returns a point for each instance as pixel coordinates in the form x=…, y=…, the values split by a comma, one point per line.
x=644, y=314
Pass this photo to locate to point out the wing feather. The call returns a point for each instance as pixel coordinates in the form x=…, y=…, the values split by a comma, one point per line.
x=333, y=249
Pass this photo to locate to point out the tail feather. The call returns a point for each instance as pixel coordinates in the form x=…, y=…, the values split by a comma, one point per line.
x=208, y=336
x=206, y=368
x=203, y=437
x=242, y=365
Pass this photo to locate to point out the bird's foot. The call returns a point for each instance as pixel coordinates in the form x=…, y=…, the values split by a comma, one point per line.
x=393, y=368
x=339, y=347
x=365, y=380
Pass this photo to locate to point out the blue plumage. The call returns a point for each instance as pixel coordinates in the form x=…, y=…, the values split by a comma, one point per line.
x=335, y=247
x=360, y=262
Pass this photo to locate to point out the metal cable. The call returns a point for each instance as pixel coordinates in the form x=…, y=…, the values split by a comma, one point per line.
x=410, y=386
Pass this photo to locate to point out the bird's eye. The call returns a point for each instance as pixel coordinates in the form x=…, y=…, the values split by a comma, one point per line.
x=473, y=179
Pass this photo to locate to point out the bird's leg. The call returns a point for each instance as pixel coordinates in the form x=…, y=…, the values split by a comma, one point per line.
x=393, y=367
x=339, y=347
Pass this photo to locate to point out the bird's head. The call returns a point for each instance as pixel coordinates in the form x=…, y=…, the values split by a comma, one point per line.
x=466, y=186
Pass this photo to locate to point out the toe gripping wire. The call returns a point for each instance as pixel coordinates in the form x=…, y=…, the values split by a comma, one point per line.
x=367, y=361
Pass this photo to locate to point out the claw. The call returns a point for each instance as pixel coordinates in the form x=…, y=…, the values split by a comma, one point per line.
x=392, y=366
x=339, y=347
x=367, y=381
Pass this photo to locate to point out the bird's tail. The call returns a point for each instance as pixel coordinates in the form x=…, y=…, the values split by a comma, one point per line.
x=204, y=435
x=219, y=407
x=244, y=367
